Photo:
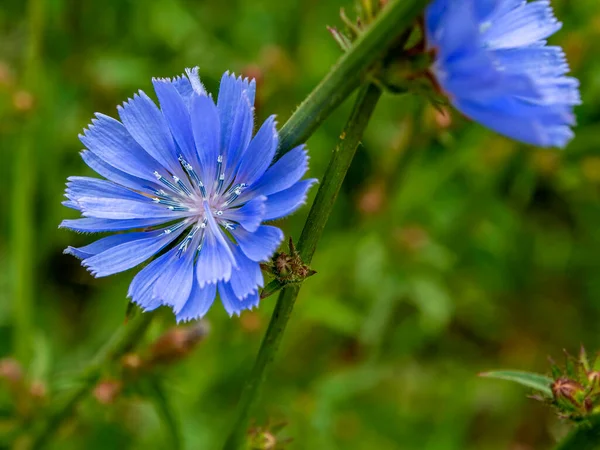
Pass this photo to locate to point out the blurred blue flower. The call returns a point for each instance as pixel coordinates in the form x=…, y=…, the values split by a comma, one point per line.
x=492, y=61
x=195, y=184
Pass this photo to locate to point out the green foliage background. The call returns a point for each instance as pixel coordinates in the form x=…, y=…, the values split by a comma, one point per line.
x=451, y=250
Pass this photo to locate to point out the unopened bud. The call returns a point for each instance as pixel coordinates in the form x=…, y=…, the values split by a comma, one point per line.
x=107, y=391
x=283, y=264
x=568, y=394
x=177, y=343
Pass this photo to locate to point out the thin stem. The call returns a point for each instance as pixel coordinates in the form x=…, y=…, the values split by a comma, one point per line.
x=585, y=437
x=121, y=342
x=23, y=197
x=165, y=411
x=315, y=223
x=350, y=71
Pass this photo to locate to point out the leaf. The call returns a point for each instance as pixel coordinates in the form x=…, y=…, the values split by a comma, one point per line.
x=535, y=381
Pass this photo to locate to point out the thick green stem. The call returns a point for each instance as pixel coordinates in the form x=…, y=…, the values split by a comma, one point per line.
x=585, y=437
x=315, y=223
x=350, y=70
x=121, y=342
x=23, y=197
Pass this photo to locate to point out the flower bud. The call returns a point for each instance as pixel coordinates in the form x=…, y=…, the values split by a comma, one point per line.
x=568, y=394
x=177, y=343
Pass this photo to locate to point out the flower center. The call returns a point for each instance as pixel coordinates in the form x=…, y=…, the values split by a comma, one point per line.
x=193, y=197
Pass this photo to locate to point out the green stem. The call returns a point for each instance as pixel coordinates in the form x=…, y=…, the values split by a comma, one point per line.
x=23, y=197
x=121, y=342
x=315, y=223
x=165, y=412
x=585, y=437
x=350, y=71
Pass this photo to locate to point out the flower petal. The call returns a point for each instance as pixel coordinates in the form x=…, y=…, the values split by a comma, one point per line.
x=232, y=304
x=108, y=208
x=524, y=25
x=286, y=202
x=284, y=173
x=241, y=133
x=250, y=215
x=115, y=175
x=213, y=263
x=195, y=82
x=85, y=187
x=147, y=125
x=110, y=141
x=248, y=277
x=141, y=287
x=174, y=286
x=103, y=244
x=260, y=245
x=129, y=254
x=199, y=302
x=205, y=127
x=93, y=225
x=177, y=115
x=228, y=104
x=259, y=155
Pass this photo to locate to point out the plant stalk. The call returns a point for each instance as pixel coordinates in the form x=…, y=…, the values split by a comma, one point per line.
x=23, y=196
x=315, y=223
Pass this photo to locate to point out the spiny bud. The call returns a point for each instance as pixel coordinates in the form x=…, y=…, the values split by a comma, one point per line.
x=289, y=268
x=576, y=387
x=569, y=390
x=177, y=343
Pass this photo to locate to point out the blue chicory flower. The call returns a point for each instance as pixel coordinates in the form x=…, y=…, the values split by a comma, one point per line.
x=492, y=61
x=195, y=185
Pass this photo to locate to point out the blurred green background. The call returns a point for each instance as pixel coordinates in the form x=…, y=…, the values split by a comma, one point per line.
x=451, y=250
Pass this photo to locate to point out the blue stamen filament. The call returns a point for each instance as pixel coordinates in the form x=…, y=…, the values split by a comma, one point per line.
x=182, y=185
x=234, y=193
x=221, y=175
x=186, y=242
x=193, y=175
x=167, y=183
x=175, y=227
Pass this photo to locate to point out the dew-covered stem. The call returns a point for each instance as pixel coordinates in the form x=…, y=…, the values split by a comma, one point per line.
x=315, y=223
